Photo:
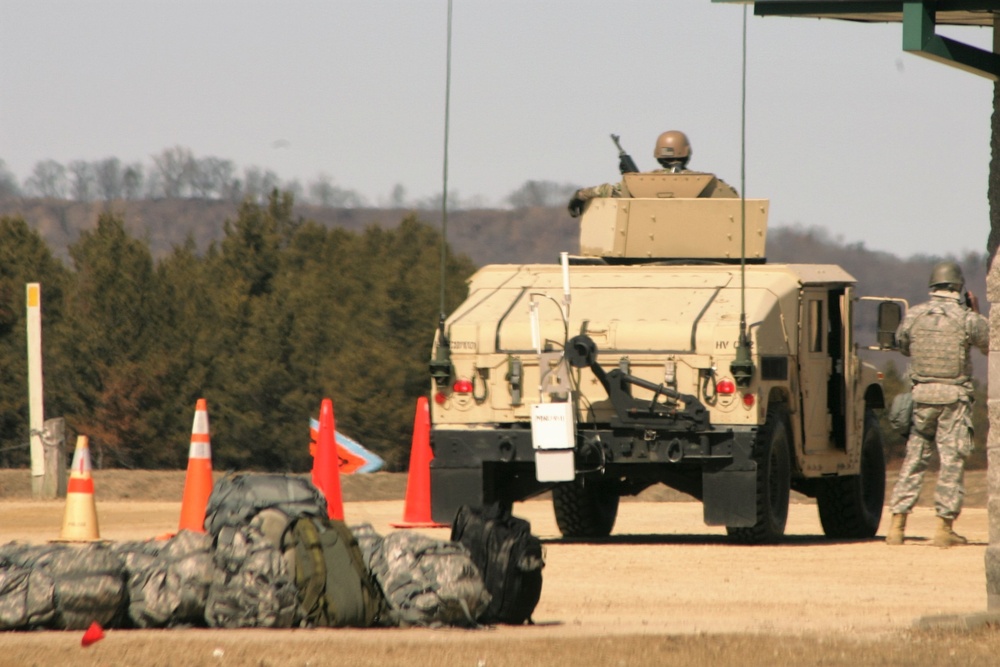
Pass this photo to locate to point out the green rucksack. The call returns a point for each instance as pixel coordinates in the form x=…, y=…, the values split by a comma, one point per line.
x=335, y=587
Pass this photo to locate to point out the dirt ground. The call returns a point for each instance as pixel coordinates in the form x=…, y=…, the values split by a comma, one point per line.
x=664, y=589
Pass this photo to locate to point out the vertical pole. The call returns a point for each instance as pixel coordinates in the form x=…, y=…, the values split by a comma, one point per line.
x=993, y=389
x=36, y=409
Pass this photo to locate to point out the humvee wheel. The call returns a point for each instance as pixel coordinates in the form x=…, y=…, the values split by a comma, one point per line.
x=772, y=452
x=585, y=510
x=850, y=507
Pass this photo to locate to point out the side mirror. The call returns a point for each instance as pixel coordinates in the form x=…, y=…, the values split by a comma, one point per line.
x=890, y=314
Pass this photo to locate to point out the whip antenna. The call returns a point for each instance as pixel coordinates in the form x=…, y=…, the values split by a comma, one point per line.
x=742, y=366
x=440, y=365
x=444, y=189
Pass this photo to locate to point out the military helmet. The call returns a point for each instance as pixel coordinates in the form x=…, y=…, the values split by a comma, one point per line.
x=947, y=275
x=672, y=145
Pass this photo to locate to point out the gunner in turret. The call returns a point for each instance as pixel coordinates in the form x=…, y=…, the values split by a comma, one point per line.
x=672, y=151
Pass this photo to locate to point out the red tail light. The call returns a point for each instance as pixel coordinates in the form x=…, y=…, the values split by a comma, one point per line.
x=462, y=387
x=748, y=400
x=725, y=387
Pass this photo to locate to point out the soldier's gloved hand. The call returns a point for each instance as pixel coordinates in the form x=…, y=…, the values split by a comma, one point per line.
x=575, y=207
x=972, y=301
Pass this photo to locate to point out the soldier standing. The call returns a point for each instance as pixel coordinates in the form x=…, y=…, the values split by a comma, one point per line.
x=672, y=151
x=937, y=336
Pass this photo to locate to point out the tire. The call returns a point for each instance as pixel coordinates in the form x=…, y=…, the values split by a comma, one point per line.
x=585, y=510
x=773, y=455
x=850, y=507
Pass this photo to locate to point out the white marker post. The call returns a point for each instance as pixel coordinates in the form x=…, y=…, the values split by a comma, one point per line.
x=36, y=407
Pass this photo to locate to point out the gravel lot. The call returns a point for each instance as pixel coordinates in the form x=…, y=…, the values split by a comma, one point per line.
x=664, y=589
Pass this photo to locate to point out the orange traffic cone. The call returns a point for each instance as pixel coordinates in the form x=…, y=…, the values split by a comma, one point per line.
x=80, y=519
x=417, y=510
x=93, y=634
x=326, y=464
x=198, y=483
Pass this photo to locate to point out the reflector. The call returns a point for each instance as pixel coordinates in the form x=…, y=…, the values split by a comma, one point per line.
x=726, y=387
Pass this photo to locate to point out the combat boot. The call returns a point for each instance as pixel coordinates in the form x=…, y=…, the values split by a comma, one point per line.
x=895, y=535
x=946, y=537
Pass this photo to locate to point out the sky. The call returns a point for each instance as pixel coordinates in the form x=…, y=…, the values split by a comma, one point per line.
x=843, y=130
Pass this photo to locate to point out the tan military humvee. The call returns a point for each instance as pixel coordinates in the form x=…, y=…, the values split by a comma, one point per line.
x=613, y=371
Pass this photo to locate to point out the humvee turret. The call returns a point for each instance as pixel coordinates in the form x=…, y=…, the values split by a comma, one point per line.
x=614, y=370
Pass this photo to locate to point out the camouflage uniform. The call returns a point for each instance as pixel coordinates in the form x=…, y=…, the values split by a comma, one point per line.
x=937, y=336
x=722, y=189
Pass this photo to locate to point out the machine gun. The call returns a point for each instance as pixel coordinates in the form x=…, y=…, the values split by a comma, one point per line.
x=626, y=164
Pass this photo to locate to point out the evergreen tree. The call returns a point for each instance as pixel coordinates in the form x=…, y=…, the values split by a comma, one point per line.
x=277, y=316
x=251, y=377
x=24, y=258
x=118, y=363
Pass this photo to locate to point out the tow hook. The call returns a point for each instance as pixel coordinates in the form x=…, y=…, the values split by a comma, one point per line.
x=675, y=451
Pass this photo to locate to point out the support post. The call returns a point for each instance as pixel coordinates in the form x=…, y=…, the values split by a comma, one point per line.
x=993, y=391
x=54, y=443
x=993, y=442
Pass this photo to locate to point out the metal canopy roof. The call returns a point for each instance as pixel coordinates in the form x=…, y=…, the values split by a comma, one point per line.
x=919, y=19
x=947, y=12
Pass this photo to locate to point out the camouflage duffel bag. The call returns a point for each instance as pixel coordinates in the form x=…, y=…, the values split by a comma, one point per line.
x=427, y=582
x=168, y=581
x=61, y=586
x=26, y=598
x=236, y=499
x=251, y=586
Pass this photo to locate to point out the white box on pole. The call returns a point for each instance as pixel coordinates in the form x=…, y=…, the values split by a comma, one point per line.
x=553, y=437
x=552, y=426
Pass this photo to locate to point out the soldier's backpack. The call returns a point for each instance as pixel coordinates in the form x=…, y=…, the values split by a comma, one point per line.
x=938, y=344
x=168, y=581
x=334, y=586
x=235, y=499
x=427, y=582
x=61, y=586
x=251, y=586
x=508, y=555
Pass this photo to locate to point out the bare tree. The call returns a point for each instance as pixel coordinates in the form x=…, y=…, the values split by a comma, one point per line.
x=132, y=180
x=232, y=190
x=8, y=183
x=174, y=167
x=433, y=202
x=324, y=192
x=83, y=180
x=397, y=198
x=294, y=188
x=48, y=179
x=110, y=181
x=540, y=193
x=211, y=176
x=259, y=183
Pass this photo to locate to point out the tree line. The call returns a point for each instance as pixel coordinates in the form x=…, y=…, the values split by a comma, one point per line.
x=63, y=250
x=279, y=314
x=176, y=173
